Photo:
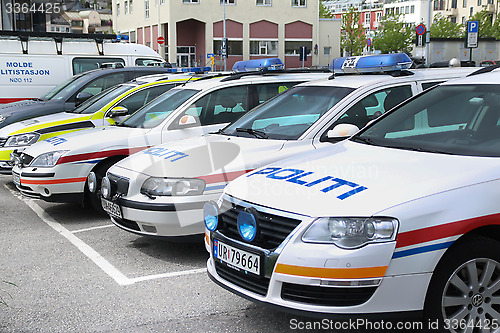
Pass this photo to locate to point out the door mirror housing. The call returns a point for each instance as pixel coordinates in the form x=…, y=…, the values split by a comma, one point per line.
x=82, y=96
x=342, y=131
x=118, y=111
x=187, y=121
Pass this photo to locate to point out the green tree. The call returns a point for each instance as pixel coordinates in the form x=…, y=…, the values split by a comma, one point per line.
x=487, y=27
x=394, y=35
x=353, y=38
x=443, y=28
x=324, y=12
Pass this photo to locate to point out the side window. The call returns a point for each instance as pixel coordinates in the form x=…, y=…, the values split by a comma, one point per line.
x=135, y=101
x=220, y=106
x=104, y=82
x=374, y=105
x=86, y=64
x=268, y=90
x=427, y=85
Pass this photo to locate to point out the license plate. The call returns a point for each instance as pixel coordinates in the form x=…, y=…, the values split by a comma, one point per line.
x=111, y=208
x=16, y=179
x=236, y=258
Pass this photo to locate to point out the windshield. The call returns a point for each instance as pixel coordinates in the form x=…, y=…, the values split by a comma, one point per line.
x=152, y=114
x=100, y=100
x=458, y=119
x=57, y=89
x=289, y=115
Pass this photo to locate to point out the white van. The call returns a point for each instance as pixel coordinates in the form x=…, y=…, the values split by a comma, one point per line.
x=32, y=63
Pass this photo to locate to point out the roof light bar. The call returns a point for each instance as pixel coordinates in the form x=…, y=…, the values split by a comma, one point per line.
x=255, y=65
x=189, y=70
x=371, y=63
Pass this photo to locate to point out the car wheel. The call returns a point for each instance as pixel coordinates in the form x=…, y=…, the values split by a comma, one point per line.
x=464, y=293
x=93, y=198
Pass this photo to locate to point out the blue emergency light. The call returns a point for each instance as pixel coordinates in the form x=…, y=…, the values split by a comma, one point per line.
x=254, y=65
x=189, y=70
x=371, y=63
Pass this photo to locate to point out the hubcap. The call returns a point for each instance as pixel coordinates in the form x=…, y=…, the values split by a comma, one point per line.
x=472, y=295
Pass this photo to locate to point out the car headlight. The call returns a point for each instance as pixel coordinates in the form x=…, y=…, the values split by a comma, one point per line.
x=47, y=159
x=25, y=139
x=351, y=232
x=154, y=186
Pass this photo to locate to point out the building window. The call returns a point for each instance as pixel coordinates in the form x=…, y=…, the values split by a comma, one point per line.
x=263, y=47
x=464, y=4
x=125, y=7
x=412, y=9
x=228, y=2
x=397, y=10
x=454, y=3
x=190, y=1
x=378, y=17
x=479, y=2
x=367, y=17
x=463, y=19
x=292, y=47
x=298, y=3
x=130, y=6
x=471, y=11
x=118, y=9
x=146, y=9
x=327, y=50
x=234, y=47
x=264, y=2
x=453, y=19
x=407, y=9
x=162, y=2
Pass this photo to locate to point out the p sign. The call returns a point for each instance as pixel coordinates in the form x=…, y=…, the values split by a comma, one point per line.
x=473, y=27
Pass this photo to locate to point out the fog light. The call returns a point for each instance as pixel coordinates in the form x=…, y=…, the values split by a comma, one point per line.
x=247, y=226
x=106, y=188
x=92, y=182
x=211, y=215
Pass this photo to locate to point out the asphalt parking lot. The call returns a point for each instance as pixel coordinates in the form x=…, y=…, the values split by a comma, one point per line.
x=76, y=272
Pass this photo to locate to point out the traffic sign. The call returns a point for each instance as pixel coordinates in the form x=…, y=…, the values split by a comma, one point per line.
x=420, y=29
x=160, y=40
x=210, y=55
x=472, y=33
x=369, y=42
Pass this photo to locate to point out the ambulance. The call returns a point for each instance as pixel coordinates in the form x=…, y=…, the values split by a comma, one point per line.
x=106, y=108
x=401, y=218
x=161, y=191
x=56, y=169
x=32, y=63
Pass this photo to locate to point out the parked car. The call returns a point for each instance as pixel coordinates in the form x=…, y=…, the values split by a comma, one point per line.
x=403, y=217
x=154, y=193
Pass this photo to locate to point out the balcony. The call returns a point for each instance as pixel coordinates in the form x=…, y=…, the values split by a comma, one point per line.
x=490, y=8
x=450, y=12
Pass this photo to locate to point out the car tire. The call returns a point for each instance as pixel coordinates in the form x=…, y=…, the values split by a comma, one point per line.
x=94, y=199
x=465, y=287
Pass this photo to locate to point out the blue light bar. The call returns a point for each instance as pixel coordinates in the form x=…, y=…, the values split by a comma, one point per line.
x=189, y=70
x=372, y=63
x=254, y=65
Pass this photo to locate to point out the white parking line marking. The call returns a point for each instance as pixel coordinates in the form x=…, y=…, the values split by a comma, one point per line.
x=93, y=228
x=92, y=254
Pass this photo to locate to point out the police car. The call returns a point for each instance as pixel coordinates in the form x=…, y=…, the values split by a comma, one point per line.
x=161, y=191
x=56, y=169
x=106, y=108
x=401, y=217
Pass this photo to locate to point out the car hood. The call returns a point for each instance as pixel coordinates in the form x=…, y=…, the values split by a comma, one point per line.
x=39, y=123
x=14, y=112
x=352, y=179
x=92, y=140
x=202, y=156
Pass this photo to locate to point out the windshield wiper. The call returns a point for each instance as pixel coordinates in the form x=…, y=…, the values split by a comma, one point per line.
x=367, y=141
x=258, y=134
x=219, y=131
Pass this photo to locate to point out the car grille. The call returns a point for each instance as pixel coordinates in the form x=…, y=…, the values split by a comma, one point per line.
x=249, y=282
x=127, y=224
x=273, y=228
x=328, y=296
x=3, y=141
x=119, y=185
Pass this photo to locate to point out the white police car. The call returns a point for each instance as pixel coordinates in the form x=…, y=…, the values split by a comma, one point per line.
x=401, y=217
x=161, y=191
x=56, y=169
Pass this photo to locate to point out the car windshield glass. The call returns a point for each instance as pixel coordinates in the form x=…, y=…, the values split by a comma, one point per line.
x=100, y=100
x=450, y=119
x=61, y=87
x=289, y=115
x=152, y=114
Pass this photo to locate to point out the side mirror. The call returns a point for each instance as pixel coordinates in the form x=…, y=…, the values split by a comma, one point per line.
x=118, y=111
x=342, y=131
x=82, y=96
x=187, y=120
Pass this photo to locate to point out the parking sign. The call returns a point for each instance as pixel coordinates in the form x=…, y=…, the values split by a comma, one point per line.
x=472, y=33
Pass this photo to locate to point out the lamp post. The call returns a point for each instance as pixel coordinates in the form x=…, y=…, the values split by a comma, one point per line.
x=224, y=42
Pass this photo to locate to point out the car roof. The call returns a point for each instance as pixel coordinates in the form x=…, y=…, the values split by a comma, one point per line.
x=359, y=80
x=492, y=77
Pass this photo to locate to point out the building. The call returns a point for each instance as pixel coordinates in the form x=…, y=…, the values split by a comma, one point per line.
x=194, y=29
